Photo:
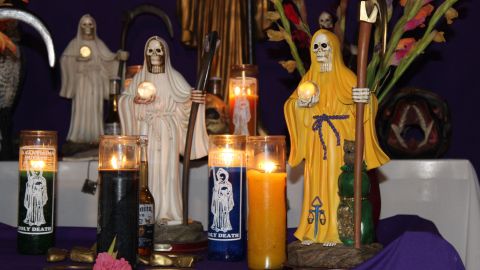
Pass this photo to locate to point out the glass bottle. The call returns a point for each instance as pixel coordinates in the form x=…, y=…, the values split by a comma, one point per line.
x=227, y=180
x=36, y=191
x=112, y=122
x=146, y=207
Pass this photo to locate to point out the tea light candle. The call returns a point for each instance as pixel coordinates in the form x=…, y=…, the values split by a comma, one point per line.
x=266, y=178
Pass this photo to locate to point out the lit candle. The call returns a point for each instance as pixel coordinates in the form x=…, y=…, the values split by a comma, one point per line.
x=37, y=175
x=118, y=170
x=227, y=175
x=242, y=100
x=266, y=202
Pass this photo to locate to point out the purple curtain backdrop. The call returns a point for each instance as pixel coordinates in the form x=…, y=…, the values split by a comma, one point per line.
x=449, y=69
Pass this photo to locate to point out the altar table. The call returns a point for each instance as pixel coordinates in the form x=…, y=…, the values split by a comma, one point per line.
x=410, y=243
x=443, y=191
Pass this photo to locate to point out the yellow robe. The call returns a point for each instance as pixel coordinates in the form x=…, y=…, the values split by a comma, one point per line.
x=321, y=175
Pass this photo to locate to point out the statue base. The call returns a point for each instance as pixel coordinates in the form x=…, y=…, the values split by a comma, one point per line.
x=321, y=257
x=180, y=238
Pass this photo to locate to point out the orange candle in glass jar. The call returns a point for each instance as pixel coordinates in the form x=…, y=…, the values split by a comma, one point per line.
x=267, y=215
x=242, y=102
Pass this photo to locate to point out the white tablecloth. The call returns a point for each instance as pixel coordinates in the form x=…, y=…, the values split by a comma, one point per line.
x=443, y=191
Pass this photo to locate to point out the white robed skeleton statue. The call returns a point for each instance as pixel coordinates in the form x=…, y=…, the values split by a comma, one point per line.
x=87, y=65
x=163, y=116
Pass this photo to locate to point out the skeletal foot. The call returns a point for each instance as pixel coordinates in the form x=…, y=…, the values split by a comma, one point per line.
x=329, y=244
x=307, y=242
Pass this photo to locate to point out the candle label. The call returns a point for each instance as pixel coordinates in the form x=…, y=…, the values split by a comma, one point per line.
x=37, y=178
x=225, y=215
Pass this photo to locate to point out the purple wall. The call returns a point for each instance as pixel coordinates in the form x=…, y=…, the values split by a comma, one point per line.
x=448, y=69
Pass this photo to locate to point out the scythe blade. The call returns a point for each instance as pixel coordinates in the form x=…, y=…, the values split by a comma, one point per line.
x=32, y=20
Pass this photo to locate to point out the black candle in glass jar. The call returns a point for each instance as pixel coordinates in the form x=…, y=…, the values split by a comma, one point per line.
x=118, y=171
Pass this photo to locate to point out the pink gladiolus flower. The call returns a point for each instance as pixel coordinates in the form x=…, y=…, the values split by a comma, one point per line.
x=105, y=261
x=405, y=45
x=419, y=19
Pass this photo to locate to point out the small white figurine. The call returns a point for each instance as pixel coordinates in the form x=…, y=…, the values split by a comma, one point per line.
x=163, y=116
x=87, y=65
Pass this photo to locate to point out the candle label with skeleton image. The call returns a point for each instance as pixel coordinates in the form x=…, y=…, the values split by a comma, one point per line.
x=37, y=178
x=226, y=225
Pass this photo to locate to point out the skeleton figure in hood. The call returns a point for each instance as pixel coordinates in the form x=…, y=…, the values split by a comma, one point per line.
x=87, y=65
x=319, y=122
x=162, y=114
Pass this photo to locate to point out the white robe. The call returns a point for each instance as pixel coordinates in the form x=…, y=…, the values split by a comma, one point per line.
x=87, y=83
x=165, y=123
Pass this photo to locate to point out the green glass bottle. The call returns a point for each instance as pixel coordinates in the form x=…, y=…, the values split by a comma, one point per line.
x=345, y=211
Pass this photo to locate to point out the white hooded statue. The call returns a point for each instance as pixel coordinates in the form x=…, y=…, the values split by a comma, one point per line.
x=87, y=65
x=162, y=114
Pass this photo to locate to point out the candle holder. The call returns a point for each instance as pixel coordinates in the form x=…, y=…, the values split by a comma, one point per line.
x=36, y=191
x=227, y=177
x=267, y=216
x=118, y=169
x=242, y=99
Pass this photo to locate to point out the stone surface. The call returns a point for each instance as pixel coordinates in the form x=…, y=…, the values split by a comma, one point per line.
x=337, y=257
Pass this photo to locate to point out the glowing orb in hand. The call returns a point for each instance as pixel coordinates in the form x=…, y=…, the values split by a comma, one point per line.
x=146, y=90
x=85, y=51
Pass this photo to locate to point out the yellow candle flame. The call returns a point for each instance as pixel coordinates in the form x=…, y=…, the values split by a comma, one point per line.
x=236, y=90
x=268, y=166
x=118, y=163
x=37, y=164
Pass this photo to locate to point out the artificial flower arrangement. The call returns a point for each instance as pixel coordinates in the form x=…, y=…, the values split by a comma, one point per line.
x=384, y=69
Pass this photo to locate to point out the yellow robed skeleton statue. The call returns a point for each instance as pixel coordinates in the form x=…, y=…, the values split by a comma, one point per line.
x=320, y=116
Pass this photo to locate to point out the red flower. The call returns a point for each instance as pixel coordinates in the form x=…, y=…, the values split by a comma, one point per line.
x=291, y=13
x=301, y=39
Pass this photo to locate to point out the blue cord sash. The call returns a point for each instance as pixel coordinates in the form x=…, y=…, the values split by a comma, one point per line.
x=317, y=126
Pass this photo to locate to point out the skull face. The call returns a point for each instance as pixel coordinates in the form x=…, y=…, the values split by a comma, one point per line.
x=323, y=52
x=216, y=115
x=87, y=26
x=325, y=20
x=155, y=55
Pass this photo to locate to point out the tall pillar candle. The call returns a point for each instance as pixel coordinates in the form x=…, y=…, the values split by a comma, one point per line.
x=36, y=191
x=118, y=169
x=227, y=180
x=266, y=202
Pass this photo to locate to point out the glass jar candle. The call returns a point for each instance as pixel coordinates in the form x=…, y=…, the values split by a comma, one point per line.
x=267, y=220
x=227, y=180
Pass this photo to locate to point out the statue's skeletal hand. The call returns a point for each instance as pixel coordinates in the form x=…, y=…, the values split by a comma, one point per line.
x=308, y=94
x=361, y=95
x=198, y=96
x=122, y=55
x=139, y=100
